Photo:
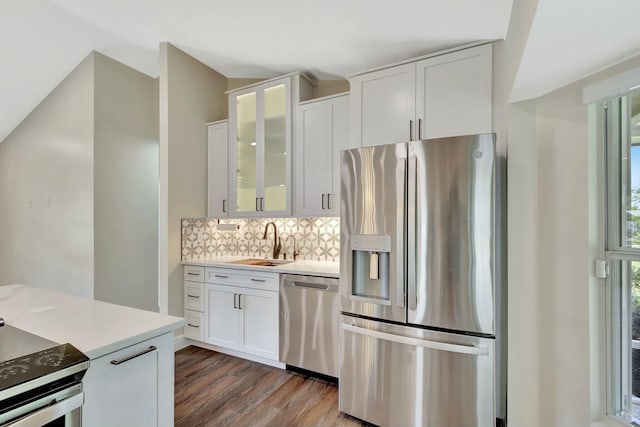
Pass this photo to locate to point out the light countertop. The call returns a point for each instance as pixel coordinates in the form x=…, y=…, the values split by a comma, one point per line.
x=96, y=328
x=306, y=267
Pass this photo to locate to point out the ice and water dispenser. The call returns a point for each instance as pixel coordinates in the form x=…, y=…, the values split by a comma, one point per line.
x=371, y=257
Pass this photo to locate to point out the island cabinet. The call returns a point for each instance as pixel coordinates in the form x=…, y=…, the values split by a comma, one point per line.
x=260, y=134
x=132, y=386
x=322, y=131
x=442, y=95
x=241, y=310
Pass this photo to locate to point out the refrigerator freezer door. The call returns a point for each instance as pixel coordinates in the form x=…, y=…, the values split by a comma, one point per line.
x=372, y=281
x=451, y=233
x=399, y=376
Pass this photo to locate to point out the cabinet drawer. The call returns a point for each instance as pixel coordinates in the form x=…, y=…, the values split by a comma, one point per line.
x=194, y=273
x=242, y=278
x=195, y=325
x=193, y=296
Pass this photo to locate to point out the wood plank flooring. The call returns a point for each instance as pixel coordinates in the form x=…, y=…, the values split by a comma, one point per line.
x=214, y=389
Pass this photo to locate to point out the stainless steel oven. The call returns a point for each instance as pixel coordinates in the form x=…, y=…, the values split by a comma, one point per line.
x=59, y=409
x=40, y=381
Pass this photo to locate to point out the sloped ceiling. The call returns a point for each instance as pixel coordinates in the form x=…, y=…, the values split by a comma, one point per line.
x=43, y=40
x=572, y=39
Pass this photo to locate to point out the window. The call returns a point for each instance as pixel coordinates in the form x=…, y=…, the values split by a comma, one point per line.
x=620, y=127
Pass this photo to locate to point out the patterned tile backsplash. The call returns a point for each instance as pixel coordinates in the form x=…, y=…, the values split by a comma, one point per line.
x=317, y=239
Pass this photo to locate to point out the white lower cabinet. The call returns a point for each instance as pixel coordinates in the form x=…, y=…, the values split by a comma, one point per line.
x=233, y=311
x=223, y=316
x=243, y=319
x=132, y=386
x=194, y=302
x=259, y=323
x=195, y=325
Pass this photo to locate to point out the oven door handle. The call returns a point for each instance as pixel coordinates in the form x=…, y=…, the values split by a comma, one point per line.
x=50, y=413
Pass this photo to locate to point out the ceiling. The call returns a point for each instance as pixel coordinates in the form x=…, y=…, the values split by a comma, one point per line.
x=43, y=40
x=572, y=39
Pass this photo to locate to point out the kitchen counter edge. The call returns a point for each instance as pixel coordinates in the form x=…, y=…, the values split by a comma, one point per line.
x=303, y=267
x=96, y=328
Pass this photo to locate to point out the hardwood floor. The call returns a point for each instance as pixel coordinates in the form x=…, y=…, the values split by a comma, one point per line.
x=214, y=389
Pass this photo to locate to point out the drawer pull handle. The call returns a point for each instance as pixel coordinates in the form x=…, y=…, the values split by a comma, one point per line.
x=258, y=280
x=194, y=296
x=193, y=274
x=220, y=276
x=133, y=356
x=192, y=325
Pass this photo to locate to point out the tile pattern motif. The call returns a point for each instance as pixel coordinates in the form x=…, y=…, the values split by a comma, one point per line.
x=318, y=239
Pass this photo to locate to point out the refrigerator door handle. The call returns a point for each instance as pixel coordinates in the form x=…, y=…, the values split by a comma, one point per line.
x=435, y=345
x=411, y=233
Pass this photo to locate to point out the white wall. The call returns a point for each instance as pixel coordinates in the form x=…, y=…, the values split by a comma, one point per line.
x=47, y=163
x=191, y=94
x=554, y=348
x=126, y=185
x=549, y=262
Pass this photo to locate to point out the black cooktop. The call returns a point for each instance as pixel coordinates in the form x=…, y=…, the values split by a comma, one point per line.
x=38, y=364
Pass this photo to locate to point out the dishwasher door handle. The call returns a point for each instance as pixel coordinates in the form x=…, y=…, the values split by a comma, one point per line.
x=310, y=285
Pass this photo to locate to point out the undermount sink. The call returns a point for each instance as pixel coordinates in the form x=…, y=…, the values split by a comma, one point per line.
x=262, y=262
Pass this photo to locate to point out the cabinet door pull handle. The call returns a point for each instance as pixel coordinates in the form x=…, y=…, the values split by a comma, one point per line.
x=257, y=204
x=133, y=356
x=322, y=200
x=240, y=301
x=410, y=130
x=189, y=324
x=262, y=203
x=328, y=200
x=193, y=296
x=419, y=129
x=235, y=305
x=224, y=205
x=220, y=276
x=258, y=280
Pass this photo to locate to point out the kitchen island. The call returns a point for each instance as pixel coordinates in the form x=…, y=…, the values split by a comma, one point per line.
x=131, y=352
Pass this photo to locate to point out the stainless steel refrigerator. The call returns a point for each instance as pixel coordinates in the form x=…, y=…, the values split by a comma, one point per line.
x=421, y=272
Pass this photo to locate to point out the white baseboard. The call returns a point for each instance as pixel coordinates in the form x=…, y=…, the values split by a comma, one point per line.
x=181, y=342
x=235, y=353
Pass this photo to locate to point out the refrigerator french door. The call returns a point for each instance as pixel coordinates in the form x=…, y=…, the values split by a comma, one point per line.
x=417, y=283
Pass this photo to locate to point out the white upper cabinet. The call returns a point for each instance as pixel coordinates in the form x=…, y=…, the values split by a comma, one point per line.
x=260, y=128
x=218, y=152
x=444, y=95
x=383, y=106
x=322, y=132
x=260, y=146
x=454, y=93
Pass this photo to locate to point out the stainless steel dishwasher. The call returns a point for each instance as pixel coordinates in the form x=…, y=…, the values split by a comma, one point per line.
x=309, y=319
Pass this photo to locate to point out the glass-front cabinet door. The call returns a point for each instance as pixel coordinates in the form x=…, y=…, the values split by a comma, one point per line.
x=260, y=166
x=246, y=166
x=275, y=148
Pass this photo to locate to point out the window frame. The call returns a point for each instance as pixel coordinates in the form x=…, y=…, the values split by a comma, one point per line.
x=614, y=130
